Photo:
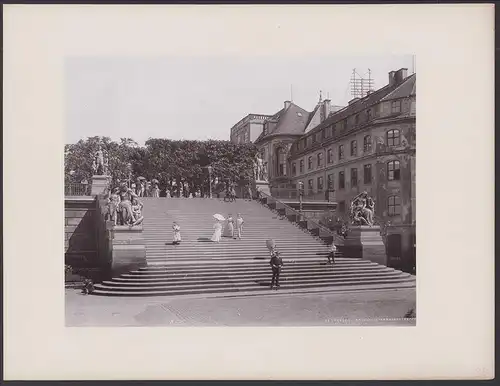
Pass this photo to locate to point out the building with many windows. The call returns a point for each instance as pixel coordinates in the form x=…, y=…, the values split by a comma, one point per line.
x=248, y=128
x=281, y=130
x=367, y=146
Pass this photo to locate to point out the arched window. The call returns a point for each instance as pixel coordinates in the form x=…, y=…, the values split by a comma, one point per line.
x=310, y=163
x=329, y=156
x=354, y=148
x=367, y=143
x=393, y=206
x=393, y=137
x=301, y=166
x=393, y=171
x=320, y=159
x=341, y=152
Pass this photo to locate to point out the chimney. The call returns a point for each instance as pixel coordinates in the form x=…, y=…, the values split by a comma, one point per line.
x=327, y=108
x=287, y=104
x=392, y=78
x=401, y=75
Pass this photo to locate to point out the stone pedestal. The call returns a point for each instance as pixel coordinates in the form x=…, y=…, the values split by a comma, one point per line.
x=365, y=242
x=128, y=249
x=263, y=186
x=99, y=184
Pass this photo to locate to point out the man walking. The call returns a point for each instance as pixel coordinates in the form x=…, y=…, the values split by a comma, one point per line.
x=276, y=264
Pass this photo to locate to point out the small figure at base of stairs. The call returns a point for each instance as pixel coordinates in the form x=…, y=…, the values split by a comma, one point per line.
x=88, y=287
x=177, y=233
x=331, y=254
x=276, y=264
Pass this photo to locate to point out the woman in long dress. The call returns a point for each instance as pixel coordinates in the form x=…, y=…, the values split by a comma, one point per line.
x=230, y=226
x=177, y=233
x=217, y=232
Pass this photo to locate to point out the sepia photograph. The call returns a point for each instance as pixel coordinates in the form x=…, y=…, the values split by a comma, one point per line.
x=240, y=191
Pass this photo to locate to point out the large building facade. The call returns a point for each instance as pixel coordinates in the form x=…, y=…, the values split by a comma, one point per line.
x=248, y=129
x=367, y=146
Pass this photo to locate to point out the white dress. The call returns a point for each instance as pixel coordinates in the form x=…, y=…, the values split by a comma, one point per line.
x=177, y=233
x=217, y=232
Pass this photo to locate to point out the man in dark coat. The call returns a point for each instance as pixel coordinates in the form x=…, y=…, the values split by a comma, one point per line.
x=276, y=264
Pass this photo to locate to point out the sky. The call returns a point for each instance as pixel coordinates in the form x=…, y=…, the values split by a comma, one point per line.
x=202, y=97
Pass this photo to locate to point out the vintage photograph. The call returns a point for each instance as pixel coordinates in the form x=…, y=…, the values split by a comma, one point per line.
x=240, y=191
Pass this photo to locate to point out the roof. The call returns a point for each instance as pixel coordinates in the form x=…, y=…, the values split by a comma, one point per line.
x=290, y=121
x=405, y=88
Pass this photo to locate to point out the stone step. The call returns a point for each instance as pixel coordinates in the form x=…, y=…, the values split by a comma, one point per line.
x=366, y=284
x=242, y=281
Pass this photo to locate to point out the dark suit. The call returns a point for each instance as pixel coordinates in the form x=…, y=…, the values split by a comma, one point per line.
x=276, y=264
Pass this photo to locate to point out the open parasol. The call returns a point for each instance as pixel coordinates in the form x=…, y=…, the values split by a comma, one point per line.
x=154, y=181
x=219, y=217
x=270, y=244
x=141, y=178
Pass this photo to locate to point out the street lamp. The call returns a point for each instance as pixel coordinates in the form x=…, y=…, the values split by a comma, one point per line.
x=129, y=168
x=210, y=181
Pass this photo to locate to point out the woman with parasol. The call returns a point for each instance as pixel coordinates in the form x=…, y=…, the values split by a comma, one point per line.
x=177, y=233
x=155, y=190
x=217, y=228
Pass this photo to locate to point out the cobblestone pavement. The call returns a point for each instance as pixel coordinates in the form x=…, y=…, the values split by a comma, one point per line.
x=349, y=309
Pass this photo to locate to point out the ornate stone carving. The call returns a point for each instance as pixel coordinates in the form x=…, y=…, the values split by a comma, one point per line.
x=362, y=209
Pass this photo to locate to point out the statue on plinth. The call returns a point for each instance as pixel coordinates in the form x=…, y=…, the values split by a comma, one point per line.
x=258, y=168
x=100, y=162
x=362, y=209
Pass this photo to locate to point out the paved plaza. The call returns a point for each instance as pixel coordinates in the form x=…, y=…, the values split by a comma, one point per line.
x=371, y=308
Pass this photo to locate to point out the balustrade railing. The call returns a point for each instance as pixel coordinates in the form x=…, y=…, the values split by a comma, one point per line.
x=77, y=189
x=285, y=193
x=339, y=240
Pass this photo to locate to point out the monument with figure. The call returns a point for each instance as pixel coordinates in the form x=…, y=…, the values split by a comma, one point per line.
x=261, y=175
x=100, y=168
x=363, y=238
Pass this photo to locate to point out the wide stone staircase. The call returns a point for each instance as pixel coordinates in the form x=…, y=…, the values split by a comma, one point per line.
x=199, y=266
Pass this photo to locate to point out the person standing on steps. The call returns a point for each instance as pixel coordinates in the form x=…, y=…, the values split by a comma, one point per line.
x=276, y=264
x=217, y=232
x=239, y=225
x=331, y=254
x=230, y=225
x=177, y=233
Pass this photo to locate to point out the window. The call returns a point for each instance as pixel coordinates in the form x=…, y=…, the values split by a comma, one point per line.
x=301, y=166
x=282, y=171
x=394, y=205
x=320, y=184
x=320, y=159
x=368, y=114
x=393, y=173
x=310, y=163
x=344, y=124
x=342, y=206
x=314, y=139
x=354, y=177
x=396, y=107
x=341, y=152
x=294, y=169
x=393, y=137
x=354, y=148
x=304, y=144
x=297, y=147
x=367, y=174
x=329, y=156
x=330, y=181
x=356, y=119
x=323, y=133
x=310, y=185
x=309, y=141
x=328, y=132
x=341, y=180
x=367, y=144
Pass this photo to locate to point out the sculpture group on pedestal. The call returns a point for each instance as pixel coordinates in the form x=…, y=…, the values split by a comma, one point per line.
x=362, y=209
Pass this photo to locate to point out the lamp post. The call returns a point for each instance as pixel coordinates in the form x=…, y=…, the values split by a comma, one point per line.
x=129, y=169
x=209, y=181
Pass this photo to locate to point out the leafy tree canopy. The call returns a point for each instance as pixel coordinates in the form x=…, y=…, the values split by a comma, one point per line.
x=163, y=159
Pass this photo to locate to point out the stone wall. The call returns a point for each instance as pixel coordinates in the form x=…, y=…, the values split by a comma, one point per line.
x=80, y=244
